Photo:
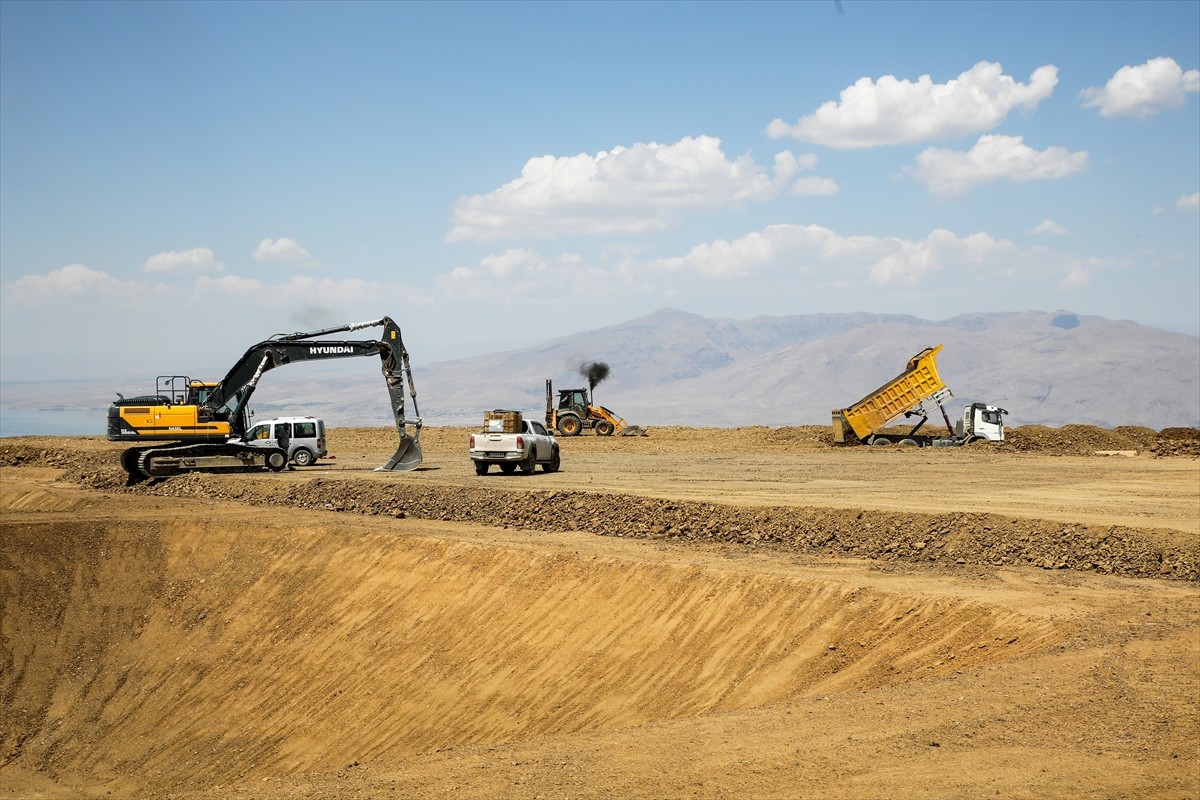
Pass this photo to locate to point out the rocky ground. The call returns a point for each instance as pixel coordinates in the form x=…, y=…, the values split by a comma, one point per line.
x=748, y=612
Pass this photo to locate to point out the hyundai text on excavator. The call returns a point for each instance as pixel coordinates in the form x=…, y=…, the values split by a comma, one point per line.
x=197, y=420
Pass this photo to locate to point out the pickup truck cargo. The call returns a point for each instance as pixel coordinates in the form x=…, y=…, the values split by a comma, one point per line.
x=512, y=442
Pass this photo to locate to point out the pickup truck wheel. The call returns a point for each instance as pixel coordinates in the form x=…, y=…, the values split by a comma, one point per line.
x=508, y=469
x=569, y=425
x=554, y=462
x=481, y=468
x=529, y=464
x=303, y=457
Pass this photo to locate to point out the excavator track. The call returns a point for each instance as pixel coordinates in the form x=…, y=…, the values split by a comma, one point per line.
x=162, y=462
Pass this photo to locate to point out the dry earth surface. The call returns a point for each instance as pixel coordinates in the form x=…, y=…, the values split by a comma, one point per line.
x=712, y=613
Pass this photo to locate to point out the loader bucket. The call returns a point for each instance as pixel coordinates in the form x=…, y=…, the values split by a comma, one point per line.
x=633, y=430
x=408, y=456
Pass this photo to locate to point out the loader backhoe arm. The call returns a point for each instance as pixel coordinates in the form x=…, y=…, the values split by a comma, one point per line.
x=239, y=383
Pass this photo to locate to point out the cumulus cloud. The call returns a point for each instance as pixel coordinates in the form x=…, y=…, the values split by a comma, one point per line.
x=1048, y=227
x=524, y=273
x=1189, y=202
x=814, y=187
x=1144, y=90
x=898, y=111
x=70, y=281
x=198, y=259
x=813, y=248
x=282, y=249
x=949, y=173
x=626, y=190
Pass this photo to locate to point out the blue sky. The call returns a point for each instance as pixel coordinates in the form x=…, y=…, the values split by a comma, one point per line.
x=180, y=180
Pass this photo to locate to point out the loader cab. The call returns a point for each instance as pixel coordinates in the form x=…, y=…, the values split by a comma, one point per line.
x=573, y=400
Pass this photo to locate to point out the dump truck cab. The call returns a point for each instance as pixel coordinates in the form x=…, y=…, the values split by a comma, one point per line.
x=981, y=421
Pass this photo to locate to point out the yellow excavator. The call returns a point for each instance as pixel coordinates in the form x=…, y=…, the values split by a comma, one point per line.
x=199, y=424
x=576, y=413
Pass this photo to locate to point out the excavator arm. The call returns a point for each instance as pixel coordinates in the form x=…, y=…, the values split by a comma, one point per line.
x=235, y=389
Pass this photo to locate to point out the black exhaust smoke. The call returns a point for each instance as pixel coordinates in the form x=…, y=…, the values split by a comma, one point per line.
x=595, y=372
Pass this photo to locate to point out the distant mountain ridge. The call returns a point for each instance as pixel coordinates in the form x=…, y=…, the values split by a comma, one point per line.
x=672, y=367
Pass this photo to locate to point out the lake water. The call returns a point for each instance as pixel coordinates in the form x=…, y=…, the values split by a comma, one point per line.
x=53, y=422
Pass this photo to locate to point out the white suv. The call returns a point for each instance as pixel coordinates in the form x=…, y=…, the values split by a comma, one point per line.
x=305, y=436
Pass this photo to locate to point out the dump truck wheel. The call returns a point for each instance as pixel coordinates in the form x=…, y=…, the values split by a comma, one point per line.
x=604, y=428
x=881, y=442
x=569, y=425
x=908, y=443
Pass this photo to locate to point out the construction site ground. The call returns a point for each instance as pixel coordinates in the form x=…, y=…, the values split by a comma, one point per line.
x=697, y=613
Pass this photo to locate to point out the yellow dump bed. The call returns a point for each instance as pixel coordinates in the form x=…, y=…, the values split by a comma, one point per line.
x=906, y=391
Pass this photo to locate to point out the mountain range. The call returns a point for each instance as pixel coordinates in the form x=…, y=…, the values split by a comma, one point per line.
x=671, y=367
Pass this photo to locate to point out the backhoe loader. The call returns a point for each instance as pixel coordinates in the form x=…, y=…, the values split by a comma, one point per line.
x=197, y=420
x=575, y=413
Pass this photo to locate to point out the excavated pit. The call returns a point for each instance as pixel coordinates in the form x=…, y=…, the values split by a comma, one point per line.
x=142, y=654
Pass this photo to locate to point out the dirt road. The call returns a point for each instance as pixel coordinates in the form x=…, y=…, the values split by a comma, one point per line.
x=696, y=613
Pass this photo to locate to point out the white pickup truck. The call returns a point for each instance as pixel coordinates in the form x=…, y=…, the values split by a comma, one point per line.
x=524, y=450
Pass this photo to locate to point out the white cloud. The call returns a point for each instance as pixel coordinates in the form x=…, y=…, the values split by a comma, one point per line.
x=282, y=249
x=948, y=173
x=1189, y=202
x=627, y=190
x=896, y=111
x=1143, y=91
x=816, y=249
x=1048, y=227
x=70, y=281
x=198, y=259
x=522, y=274
x=814, y=187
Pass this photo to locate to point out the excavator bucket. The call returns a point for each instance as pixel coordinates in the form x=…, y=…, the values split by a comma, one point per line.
x=407, y=458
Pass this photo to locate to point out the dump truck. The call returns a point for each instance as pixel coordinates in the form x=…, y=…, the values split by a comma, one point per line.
x=913, y=394
x=576, y=413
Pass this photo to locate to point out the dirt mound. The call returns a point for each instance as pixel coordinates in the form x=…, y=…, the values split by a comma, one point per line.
x=1177, y=442
x=1086, y=439
x=943, y=540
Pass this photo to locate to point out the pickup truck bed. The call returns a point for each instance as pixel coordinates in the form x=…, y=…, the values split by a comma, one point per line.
x=534, y=445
